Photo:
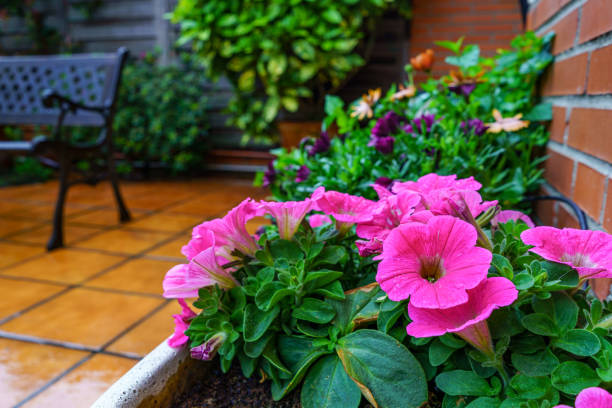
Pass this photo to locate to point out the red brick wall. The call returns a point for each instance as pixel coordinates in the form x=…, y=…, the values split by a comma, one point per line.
x=489, y=23
x=579, y=84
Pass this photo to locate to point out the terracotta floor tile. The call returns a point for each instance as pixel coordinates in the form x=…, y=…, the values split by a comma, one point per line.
x=11, y=253
x=254, y=224
x=72, y=233
x=25, y=367
x=39, y=211
x=68, y=266
x=207, y=207
x=167, y=222
x=172, y=248
x=138, y=275
x=83, y=316
x=148, y=334
x=101, y=217
x=124, y=241
x=16, y=295
x=81, y=387
x=18, y=191
x=13, y=225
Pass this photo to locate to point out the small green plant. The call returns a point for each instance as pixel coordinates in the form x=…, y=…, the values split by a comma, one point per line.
x=277, y=53
x=466, y=123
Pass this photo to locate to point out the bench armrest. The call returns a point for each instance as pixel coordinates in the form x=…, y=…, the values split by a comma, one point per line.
x=50, y=96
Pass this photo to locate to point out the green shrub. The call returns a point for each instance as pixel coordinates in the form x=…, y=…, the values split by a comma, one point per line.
x=506, y=163
x=277, y=52
x=161, y=114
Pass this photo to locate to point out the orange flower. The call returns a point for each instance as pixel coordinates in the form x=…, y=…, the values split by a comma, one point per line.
x=364, y=106
x=511, y=124
x=423, y=61
x=404, y=92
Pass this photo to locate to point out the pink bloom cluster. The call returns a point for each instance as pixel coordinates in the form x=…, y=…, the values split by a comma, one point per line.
x=593, y=397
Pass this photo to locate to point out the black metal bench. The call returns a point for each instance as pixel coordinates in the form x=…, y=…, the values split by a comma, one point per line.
x=75, y=90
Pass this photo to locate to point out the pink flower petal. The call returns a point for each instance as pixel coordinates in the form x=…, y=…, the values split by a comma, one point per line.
x=317, y=220
x=510, y=215
x=432, y=263
x=288, y=215
x=594, y=397
x=345, y=208
x=489, y=295
x=586, y=251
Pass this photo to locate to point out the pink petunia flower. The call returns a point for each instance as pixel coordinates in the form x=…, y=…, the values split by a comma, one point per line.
x=184, y=280
x=443, y=194
x=586, y=251
x=181, y=323
x=317, y=220
x=433, y=264
x=467, y=320
x=229, y=232
x=209, y=348
x=510, y=215
x=593, y=397
x=346, y=209
x=288, y=215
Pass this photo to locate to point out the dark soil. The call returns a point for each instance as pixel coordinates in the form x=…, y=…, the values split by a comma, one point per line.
x=233, y=390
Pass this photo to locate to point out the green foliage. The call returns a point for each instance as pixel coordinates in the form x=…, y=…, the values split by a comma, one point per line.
x=277, y=53
x=506, y=163
x=161, y=114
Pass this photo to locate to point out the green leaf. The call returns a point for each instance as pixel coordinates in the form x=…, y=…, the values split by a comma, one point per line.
x=439, y=352
x=540, y=112
x=571, y=377
x=530, y=387
x=333, y=16
x=257, y=321
x=355, y=301
x=304, y=50
x=328, y=386
x=523, y=281
x=389, y=379
x=332, y=291
x=561, y=308
x=462, y=382
x=484, y=402
x=246, y=81
x=277, y=65
x=560, y=276
x=298, y=354
x=270, y=294
x=541, y=324
x=271, y=355
x=579, y=342
x=332, y=255
x=454, y=46
x=254, y=349
x=537, y=364
x=285, y=249
x=314, y=310
x=322, y=277
x=503, y=266
x=468, y=58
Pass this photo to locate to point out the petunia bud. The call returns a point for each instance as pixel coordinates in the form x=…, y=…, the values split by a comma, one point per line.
x=208, y=350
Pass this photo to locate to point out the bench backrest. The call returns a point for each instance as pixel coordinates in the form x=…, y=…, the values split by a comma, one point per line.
x=89, y=79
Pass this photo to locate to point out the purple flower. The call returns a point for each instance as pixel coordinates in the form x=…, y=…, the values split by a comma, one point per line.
x=321, y=145
x=427, y=119
x=463, y=89
x=386, y=125
x=476, y=126
x=385, y=182
x=208, y=350
x=269, y=175
x=408, y=129
x=302, y=174
x=430, y=151
x=383, y=144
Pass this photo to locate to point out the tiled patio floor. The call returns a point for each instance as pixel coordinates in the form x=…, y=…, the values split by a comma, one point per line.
x=72, y=321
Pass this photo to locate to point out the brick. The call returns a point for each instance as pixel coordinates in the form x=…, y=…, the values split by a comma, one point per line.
x=557, y=125
x=589, y=132
x=567, y=77
x=565, y=31
x=600, y=74
x=545, y=10
x=607, y=218
x=588, y=190
x=596, y=19
x=566, y=218
x=558, y=171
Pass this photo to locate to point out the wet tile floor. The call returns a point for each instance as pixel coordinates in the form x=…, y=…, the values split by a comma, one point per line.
x=73, y=320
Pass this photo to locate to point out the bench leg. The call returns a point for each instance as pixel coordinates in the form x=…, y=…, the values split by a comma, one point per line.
x=124, y=214
x=57, y=235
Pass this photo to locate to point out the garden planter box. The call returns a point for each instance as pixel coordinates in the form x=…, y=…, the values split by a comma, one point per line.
x=156, y=380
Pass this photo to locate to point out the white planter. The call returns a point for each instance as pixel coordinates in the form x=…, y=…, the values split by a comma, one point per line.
x=155, y=381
